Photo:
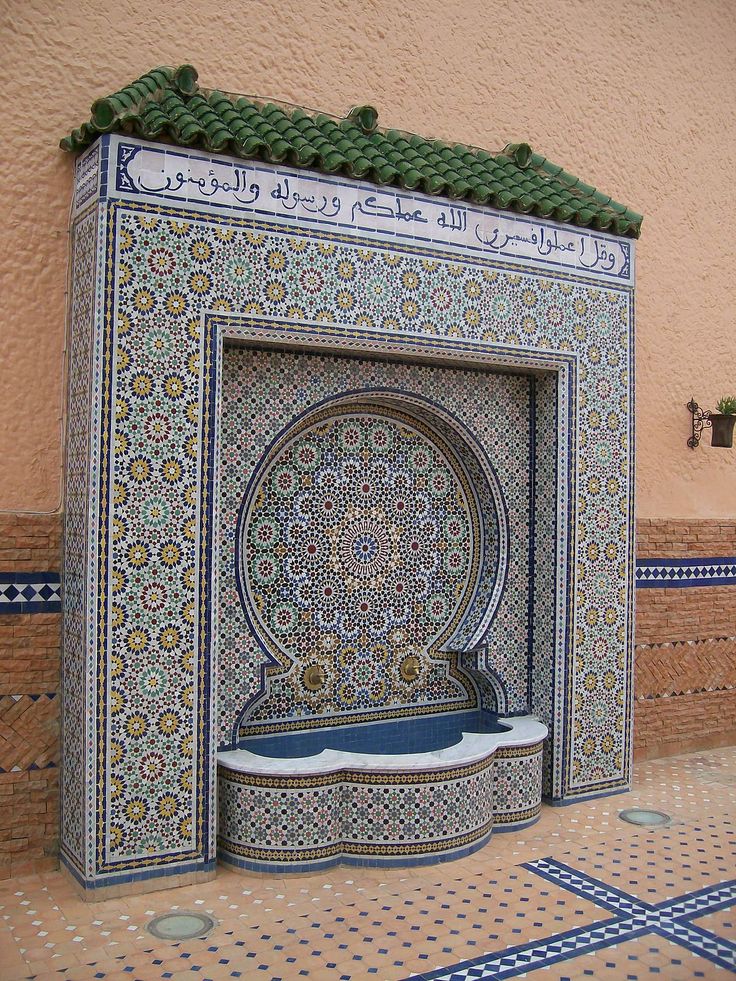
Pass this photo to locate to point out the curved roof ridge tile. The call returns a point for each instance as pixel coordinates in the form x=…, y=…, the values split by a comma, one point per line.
x=168, y=103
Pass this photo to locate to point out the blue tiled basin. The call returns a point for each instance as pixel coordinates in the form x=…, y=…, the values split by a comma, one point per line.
x=407, y=792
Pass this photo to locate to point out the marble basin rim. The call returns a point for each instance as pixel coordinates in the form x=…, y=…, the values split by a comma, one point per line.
x=473, y=746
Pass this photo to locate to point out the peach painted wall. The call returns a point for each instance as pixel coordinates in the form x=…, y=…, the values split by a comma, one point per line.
x=638, y=98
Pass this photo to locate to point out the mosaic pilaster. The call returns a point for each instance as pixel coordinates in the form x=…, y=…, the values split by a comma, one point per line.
x=77, y=670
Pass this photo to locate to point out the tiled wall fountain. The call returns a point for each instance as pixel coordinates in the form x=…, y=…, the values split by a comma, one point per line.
x=348, y=519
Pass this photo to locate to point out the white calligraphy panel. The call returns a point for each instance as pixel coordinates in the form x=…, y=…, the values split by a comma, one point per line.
x=285, y=195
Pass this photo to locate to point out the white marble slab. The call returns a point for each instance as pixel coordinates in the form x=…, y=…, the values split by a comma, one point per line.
x=522, y=731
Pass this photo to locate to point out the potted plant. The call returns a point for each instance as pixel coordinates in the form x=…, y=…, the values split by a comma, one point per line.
x=723, y=421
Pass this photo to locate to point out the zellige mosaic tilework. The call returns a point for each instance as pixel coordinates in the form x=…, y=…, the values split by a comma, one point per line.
x=422, y=558
x=167, y=270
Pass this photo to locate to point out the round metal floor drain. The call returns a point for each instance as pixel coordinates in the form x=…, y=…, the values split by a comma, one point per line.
x=644, y=818
x=180, y=926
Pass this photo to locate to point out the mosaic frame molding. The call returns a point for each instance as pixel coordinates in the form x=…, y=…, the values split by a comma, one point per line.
x=101, y=293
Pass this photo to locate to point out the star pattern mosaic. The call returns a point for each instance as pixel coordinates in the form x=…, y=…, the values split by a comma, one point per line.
x=427, y=576
x=360, y=548
x=166, y=270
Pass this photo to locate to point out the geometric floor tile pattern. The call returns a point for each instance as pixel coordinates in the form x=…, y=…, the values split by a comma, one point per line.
x=579, y=895
x=670, y=919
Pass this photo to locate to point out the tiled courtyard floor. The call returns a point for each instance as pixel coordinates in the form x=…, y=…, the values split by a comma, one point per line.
x=581, y=894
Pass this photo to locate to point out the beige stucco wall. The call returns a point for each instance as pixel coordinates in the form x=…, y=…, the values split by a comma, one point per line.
x=638, y=98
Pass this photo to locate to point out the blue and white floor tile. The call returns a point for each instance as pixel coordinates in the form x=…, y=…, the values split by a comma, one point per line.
x=579, y=895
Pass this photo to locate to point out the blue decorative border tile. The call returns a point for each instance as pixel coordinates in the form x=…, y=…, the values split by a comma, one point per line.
x=30, y=592
x=631, y=918
x=678, y=573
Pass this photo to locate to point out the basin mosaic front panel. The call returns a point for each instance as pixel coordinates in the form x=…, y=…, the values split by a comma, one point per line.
x=360, y=811
x=362, y=540
x=351, y=814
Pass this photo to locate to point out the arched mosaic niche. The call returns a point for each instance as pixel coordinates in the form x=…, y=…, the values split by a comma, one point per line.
x=371, y=553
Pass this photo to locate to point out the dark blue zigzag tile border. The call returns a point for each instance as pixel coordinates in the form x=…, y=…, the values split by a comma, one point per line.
x=679, y=573
x=670, y=919
x=30, y=592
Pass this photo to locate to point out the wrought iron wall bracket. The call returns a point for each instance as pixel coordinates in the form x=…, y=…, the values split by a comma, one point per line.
x=700, y=421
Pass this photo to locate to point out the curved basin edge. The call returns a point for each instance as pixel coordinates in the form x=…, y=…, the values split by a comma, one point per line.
x=522, y=731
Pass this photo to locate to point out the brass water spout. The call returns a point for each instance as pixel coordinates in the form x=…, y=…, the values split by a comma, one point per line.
x=314, y=677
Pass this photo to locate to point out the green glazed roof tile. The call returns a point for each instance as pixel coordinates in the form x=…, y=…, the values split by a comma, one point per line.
x=168, y=104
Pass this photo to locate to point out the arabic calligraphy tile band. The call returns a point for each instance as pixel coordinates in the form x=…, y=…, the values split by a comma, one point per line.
x=331, y=202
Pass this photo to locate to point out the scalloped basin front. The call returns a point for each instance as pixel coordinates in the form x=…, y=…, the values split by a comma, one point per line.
x=378, y=808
